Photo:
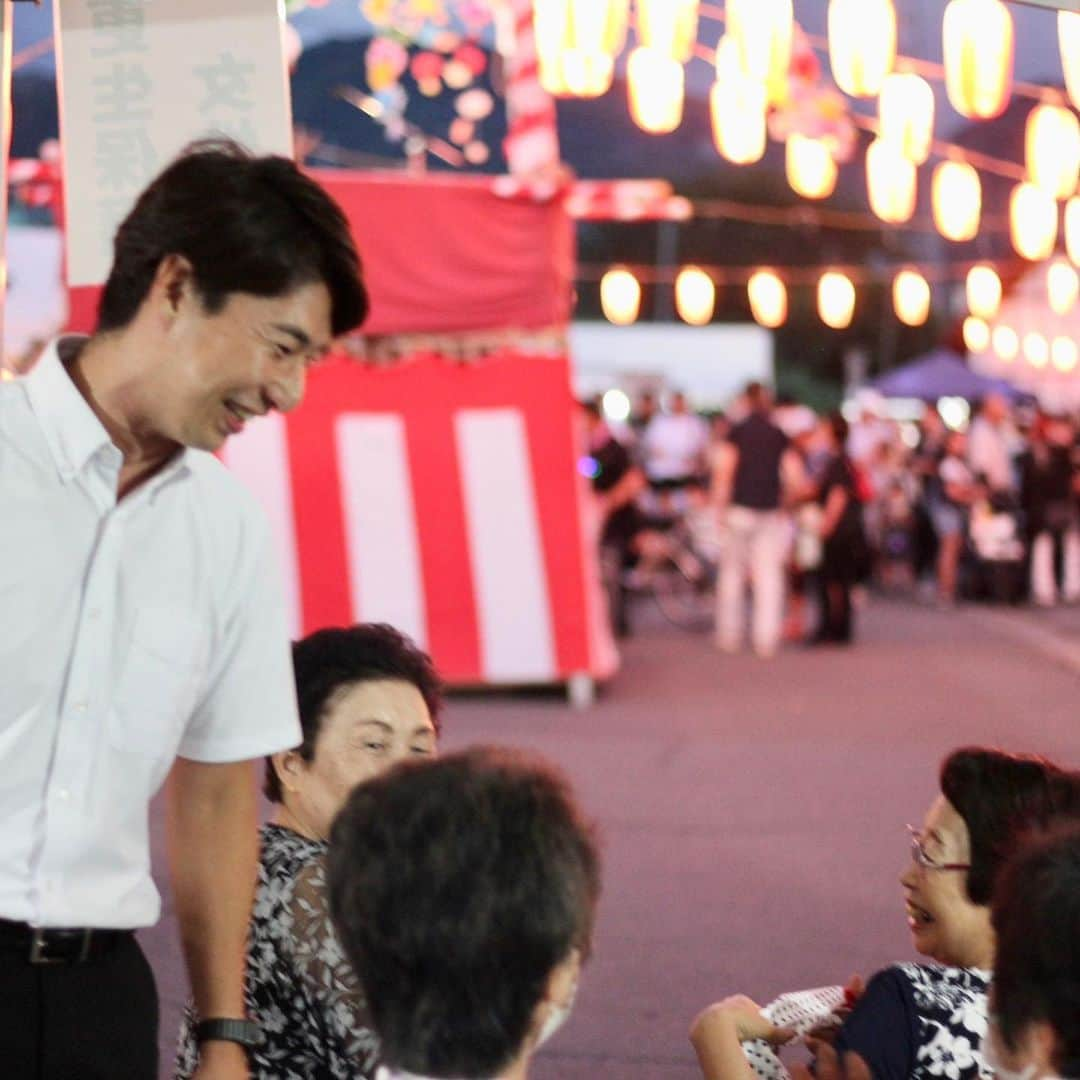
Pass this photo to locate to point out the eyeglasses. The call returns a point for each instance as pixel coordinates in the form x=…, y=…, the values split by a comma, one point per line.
x=922, y=858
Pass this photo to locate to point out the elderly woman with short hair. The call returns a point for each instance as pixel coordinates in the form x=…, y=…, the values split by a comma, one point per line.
x=368, y=699
x=928, y=1020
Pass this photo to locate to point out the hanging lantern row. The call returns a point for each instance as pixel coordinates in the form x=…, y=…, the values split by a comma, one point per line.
x=1061, y=352
x=695, y=297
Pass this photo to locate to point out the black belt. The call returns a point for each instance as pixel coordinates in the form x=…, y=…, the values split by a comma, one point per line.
x=59, y=945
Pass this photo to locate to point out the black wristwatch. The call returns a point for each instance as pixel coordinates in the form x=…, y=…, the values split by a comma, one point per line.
x=245, y=1032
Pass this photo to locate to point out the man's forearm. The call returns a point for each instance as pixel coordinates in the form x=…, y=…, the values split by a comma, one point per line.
x=213, y=850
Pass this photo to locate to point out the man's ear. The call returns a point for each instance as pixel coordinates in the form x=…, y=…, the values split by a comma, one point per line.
x=173, y=283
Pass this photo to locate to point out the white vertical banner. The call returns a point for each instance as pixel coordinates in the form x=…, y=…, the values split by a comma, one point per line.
x=260, y=458
x=381, y=531
x=517, y=641
x=5, y=144
x=138, y=80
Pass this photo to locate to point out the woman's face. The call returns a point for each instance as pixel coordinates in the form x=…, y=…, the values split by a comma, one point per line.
x=945, y=925
x=367, y=728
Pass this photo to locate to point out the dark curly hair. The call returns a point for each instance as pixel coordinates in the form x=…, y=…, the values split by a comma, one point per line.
x=1001, y=797
x=457, y=886
x=246, y=224
x=329, y=659
x=1036, y=916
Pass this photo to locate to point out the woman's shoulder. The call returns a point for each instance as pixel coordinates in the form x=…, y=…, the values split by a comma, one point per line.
x=284, y=856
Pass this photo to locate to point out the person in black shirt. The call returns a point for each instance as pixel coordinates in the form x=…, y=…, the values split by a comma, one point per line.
x=844, y=547
x=748, y=487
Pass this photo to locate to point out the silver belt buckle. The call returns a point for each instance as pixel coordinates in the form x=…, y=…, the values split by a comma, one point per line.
x=39, y=946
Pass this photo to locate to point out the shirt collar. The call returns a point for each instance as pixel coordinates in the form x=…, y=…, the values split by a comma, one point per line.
x=73, y=432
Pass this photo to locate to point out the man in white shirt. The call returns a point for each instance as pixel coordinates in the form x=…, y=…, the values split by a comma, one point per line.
x=991, y=446
x=144, y=635
x=674, y=446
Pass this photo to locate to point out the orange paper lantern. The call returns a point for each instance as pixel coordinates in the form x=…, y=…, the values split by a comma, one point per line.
x=1036, y=350
x=957, y=200
x=1069, y=40
x=620, y=297
x=1052, y=144
x=1006, y=343
x=738, y=105
x=810, y=166
x=1033, y=222
x=669, y=26
x=983, y=289
x=976, y=334
x=657, y=87
x=576, y=44
x=978, y=46
x=906, y=114
x=836, y=300
x=1072, y=229
x=1062, y=286
x=911, y=298
x=862, y=44
x=1063, y=354
x=761, y=33
x=890, y=182
x=695, y=296
x=768, y=299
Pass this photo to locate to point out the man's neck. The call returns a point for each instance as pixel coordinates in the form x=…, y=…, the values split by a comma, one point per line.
x=99, y=371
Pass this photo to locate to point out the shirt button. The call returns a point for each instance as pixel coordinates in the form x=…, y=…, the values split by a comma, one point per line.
x=63, y=794
x=80, y=706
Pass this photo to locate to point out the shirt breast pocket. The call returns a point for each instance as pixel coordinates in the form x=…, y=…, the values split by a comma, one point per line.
x=160, y=682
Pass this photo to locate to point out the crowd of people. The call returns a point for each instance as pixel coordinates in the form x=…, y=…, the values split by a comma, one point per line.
x=788, y=499
x=403, y=915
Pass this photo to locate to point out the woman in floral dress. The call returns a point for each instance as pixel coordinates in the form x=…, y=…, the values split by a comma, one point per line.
x=368, y=699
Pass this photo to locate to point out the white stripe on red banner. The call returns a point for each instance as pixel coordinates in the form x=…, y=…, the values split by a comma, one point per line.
x=385, y=577
x=505, y=546
x=260, y=458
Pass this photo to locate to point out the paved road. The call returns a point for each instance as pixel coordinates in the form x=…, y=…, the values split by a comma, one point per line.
x=753, y=812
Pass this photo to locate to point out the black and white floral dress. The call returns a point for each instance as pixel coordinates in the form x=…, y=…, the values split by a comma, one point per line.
x=299, y=986
x=921, y=1022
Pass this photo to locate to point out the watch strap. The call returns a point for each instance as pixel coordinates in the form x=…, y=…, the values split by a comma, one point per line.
x=245, y=1032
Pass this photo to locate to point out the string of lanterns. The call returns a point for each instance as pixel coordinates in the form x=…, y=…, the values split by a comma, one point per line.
x=579, y=40
x=767, y=293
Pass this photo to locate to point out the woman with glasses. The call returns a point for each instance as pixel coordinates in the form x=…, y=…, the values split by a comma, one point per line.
x=928, y=1020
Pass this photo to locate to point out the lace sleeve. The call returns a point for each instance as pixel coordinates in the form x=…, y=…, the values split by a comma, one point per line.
x=328, y=980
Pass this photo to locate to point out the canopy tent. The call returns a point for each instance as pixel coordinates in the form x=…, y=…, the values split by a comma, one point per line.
x=940, y=373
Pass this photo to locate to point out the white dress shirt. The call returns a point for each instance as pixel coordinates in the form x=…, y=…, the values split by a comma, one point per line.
x=130, y=632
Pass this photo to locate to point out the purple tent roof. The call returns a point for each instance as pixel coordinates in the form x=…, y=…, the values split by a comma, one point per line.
x=938, y=374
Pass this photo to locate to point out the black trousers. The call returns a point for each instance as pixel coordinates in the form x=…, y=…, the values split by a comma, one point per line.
x=91, y=1021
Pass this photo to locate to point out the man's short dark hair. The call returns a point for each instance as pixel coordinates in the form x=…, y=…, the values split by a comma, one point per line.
x=1036, y=916
x=457, y=886
x=1001, y=797
x=246, y=224
x=340, y=657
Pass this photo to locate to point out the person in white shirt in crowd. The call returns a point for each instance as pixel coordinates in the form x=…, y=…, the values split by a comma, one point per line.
x=872, y=429
x=145, y=633
x=992, y=446
x=464, y=892
x=674, y=446
x=751, y=473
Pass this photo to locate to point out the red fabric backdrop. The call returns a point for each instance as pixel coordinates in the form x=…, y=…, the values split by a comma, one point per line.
x=443, y=255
